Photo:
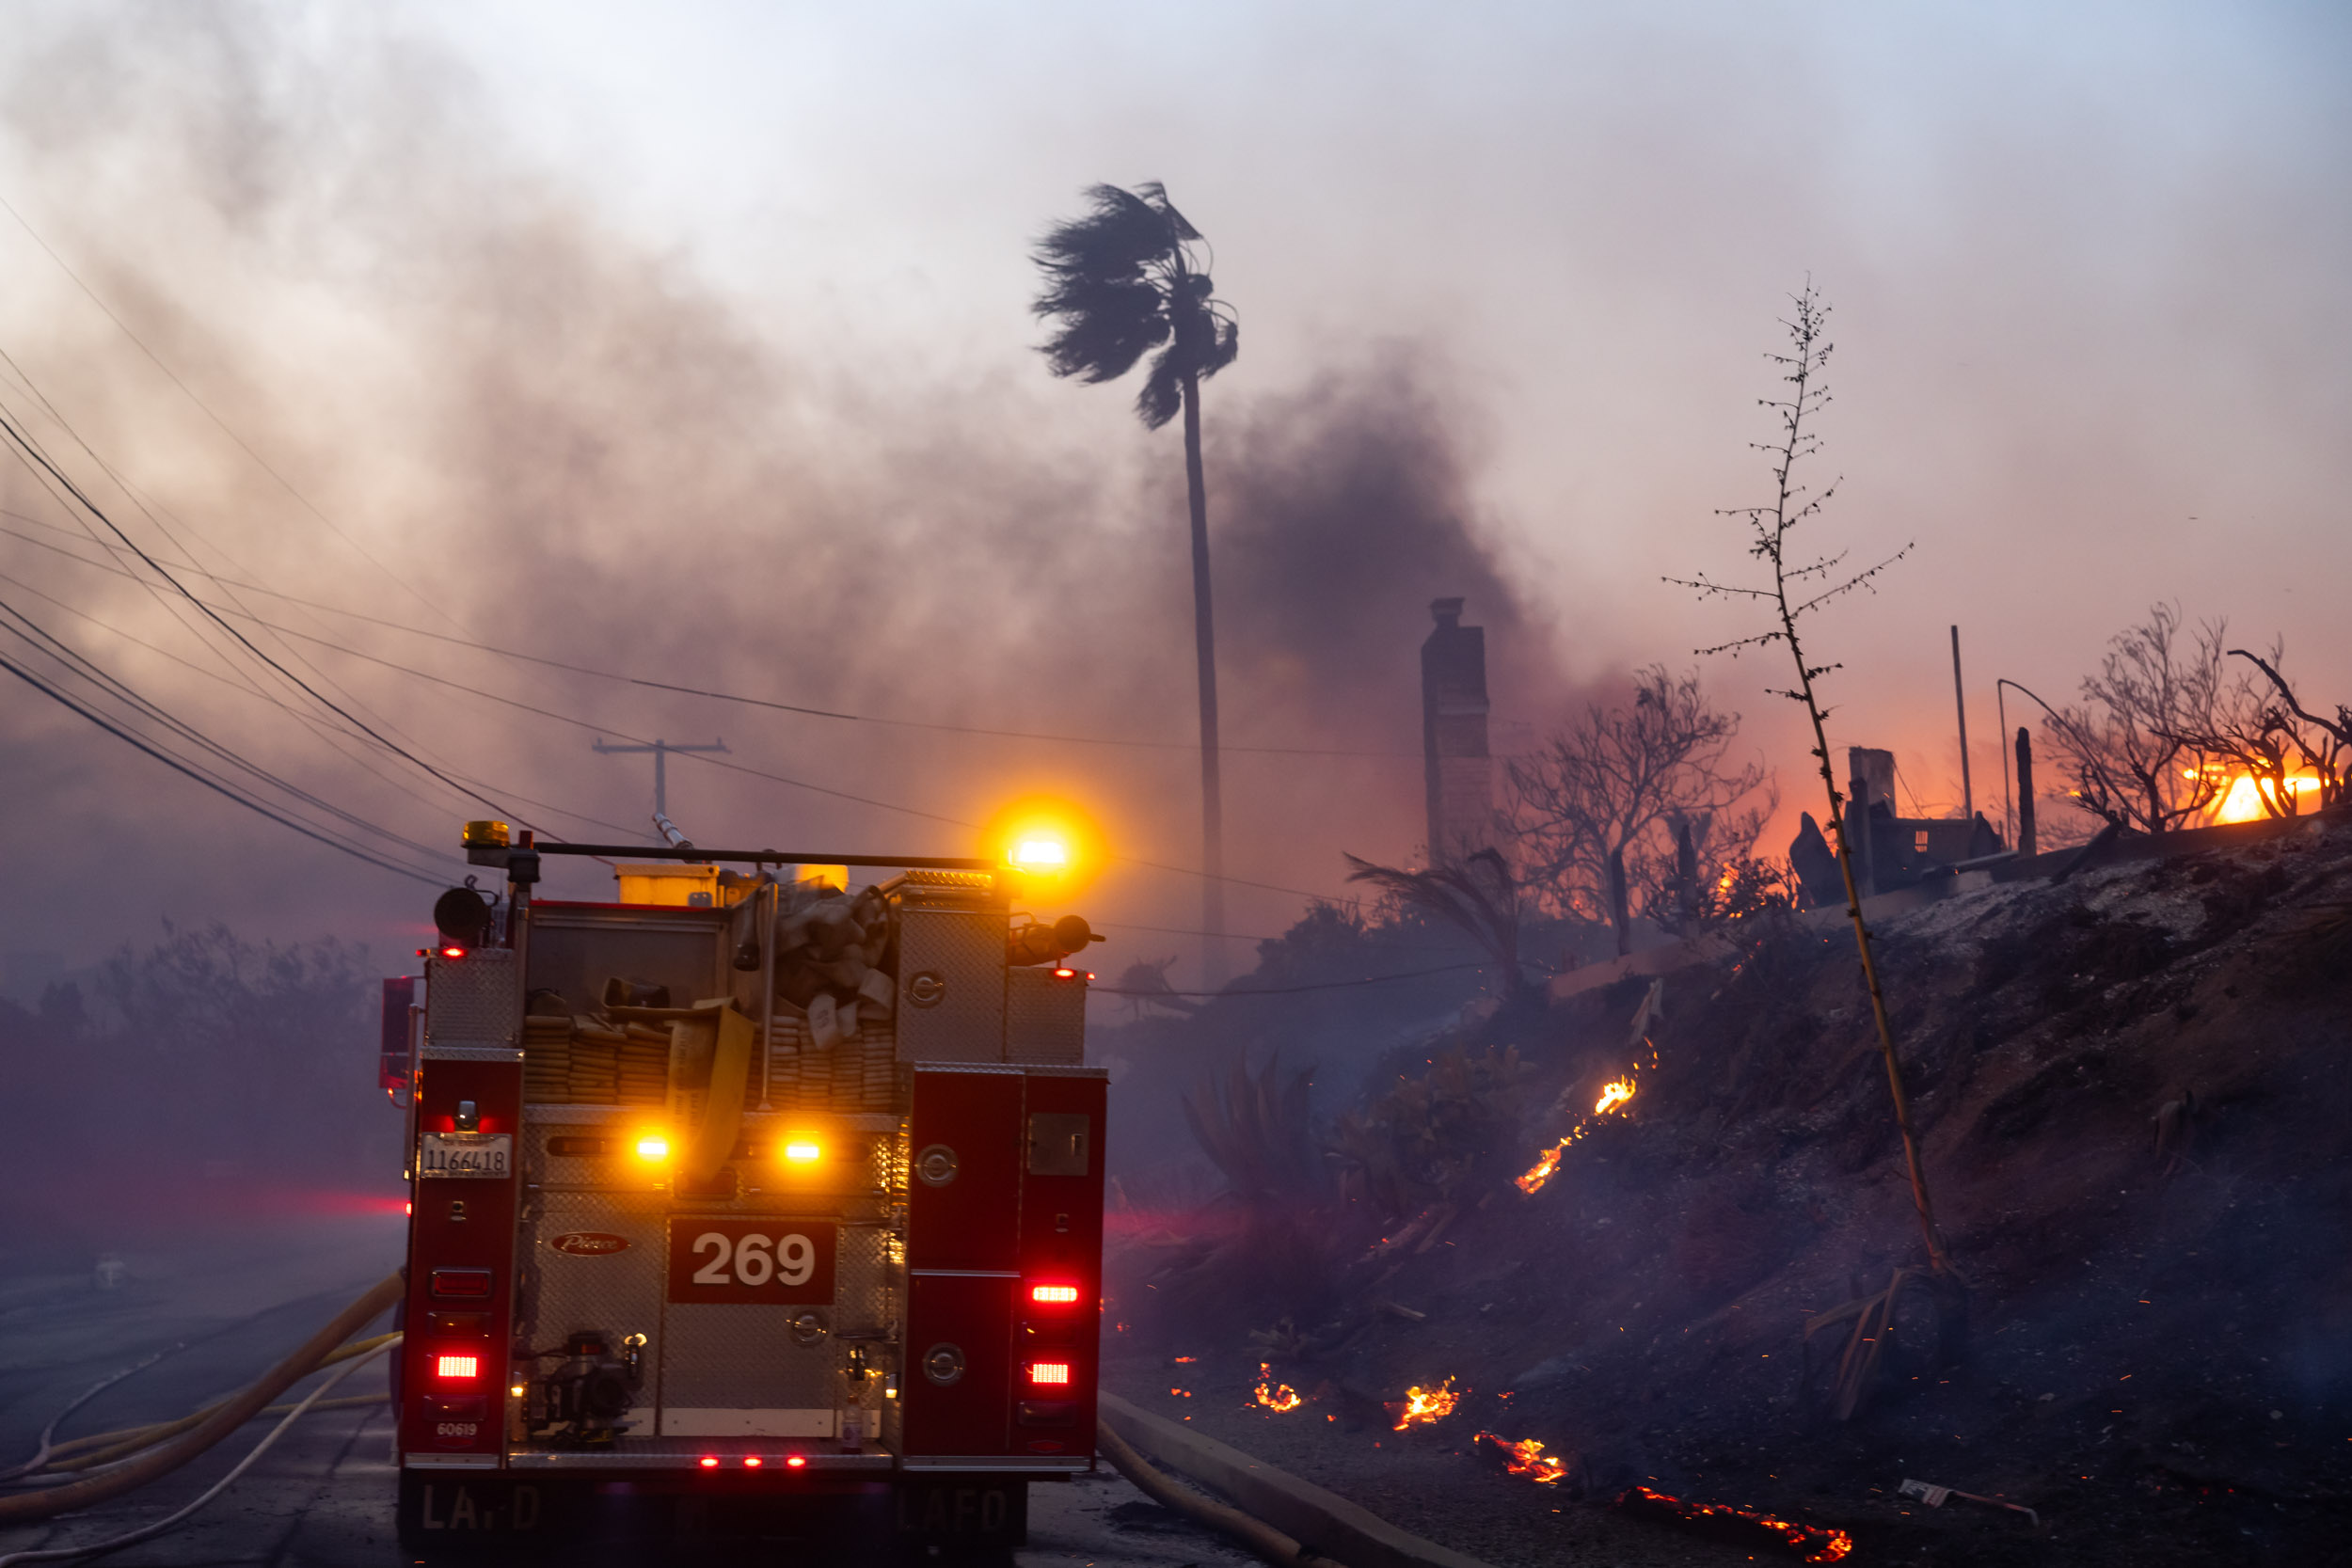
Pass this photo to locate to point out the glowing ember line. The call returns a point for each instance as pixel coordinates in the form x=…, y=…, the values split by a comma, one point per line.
x=1813, y=1543
x=1613, y=1095
x=1273, y=1395
x=1421, y=1406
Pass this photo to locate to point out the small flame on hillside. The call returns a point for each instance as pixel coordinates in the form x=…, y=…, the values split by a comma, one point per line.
x=1527, y=1458
x=1613, y=1095
x=1273, y=1395
x=1423, y=1406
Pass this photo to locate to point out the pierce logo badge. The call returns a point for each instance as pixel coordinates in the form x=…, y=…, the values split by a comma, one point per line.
x=589, y=1243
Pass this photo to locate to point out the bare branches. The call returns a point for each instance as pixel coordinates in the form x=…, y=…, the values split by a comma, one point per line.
x=2139, y=750
x=1625, y=782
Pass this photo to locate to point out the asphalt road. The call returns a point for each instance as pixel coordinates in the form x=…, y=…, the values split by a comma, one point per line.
x=233, y=1303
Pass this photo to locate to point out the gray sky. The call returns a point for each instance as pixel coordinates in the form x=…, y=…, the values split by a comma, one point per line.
x=693, y=339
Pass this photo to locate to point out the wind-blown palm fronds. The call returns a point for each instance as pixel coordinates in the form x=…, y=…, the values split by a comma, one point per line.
x=1123, y=280
x=1480, y=895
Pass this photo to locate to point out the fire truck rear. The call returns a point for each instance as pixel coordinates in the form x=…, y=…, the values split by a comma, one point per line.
x=764, y=1198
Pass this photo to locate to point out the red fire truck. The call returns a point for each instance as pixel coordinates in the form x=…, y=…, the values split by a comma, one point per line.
x=762, y=1200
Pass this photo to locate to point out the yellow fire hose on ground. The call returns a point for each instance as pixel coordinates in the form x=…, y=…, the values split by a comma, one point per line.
x=141, y=1455
x=131, y=1457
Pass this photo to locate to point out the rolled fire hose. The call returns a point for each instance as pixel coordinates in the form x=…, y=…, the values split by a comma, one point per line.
x=225, y=1418
x=1255, y=1534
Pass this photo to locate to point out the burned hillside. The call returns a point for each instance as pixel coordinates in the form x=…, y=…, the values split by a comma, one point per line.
x=2129, y=1086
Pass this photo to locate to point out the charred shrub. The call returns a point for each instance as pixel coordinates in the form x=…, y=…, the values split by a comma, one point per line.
x=1436, y=1138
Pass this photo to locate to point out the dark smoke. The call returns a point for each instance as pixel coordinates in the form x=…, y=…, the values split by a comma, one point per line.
x=577, y=446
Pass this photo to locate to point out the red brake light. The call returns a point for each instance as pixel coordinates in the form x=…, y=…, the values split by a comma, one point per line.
x=1053, y=1294
x=752, y=1461
x=1049, y=1372
x=708, y=1463
x=1065, y=975
x=796, y=1462
x=457, y=1368
x=453, y=952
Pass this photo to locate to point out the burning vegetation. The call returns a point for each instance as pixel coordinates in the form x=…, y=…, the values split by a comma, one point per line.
x=2123, y=1084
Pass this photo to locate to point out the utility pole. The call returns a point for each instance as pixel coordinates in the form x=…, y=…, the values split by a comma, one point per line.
x=660, y=749
x=1960, y=700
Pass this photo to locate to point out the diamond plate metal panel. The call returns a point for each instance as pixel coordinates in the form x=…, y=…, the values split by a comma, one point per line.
x=951, y=985
x=745, y=1357
x=476, y=999
x=1045, y=1016
x=616, y=1292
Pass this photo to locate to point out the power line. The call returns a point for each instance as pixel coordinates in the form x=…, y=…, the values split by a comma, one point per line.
x=772, y=705
x=1287, y=991
x=606, y=729
x=310, y=722
x=36, y=637
x=709, y=761
x=178, y=766
x=32, y=451
x=222, y=424
x=332, y=738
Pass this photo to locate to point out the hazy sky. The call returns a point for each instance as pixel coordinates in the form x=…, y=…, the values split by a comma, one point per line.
x=692, y=340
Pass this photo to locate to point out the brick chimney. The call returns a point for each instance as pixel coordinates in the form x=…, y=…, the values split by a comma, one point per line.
x=1459, y=772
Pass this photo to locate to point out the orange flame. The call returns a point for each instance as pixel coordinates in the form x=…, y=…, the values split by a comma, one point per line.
x=1613, y=1095
x=1540, y=1172
x=1423, y=1406
x=1527, y=1458
x=2241, y=799
x=1273, y=1395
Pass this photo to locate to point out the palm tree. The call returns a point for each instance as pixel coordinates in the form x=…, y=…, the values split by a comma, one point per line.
x=1122, y=280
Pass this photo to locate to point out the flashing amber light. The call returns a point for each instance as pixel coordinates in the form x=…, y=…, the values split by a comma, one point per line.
x=1054, y=1292
x=1044, y=843
x=802, y=1151
x=752, y=1461
x=457, y=1368
x=795, y=1463
x=708, y=1462
x=653, y=1147
x=1040, y=854
x=1055, y=1373
x=518, y=1391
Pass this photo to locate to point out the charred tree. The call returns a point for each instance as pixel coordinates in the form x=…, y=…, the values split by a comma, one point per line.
x=1799, y=585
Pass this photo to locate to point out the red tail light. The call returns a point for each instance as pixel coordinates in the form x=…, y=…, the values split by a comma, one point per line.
x=1053, y=1295
x=1055, y=1373
x=795, y=1463
x=753, y=1462
x=458, y=1368
x=708, y=1463
x=453, y=952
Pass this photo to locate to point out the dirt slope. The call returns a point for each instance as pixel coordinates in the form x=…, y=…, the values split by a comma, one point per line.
x=2159, y=1354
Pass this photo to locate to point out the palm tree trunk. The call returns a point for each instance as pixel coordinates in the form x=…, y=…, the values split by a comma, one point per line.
x=1205, y=639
